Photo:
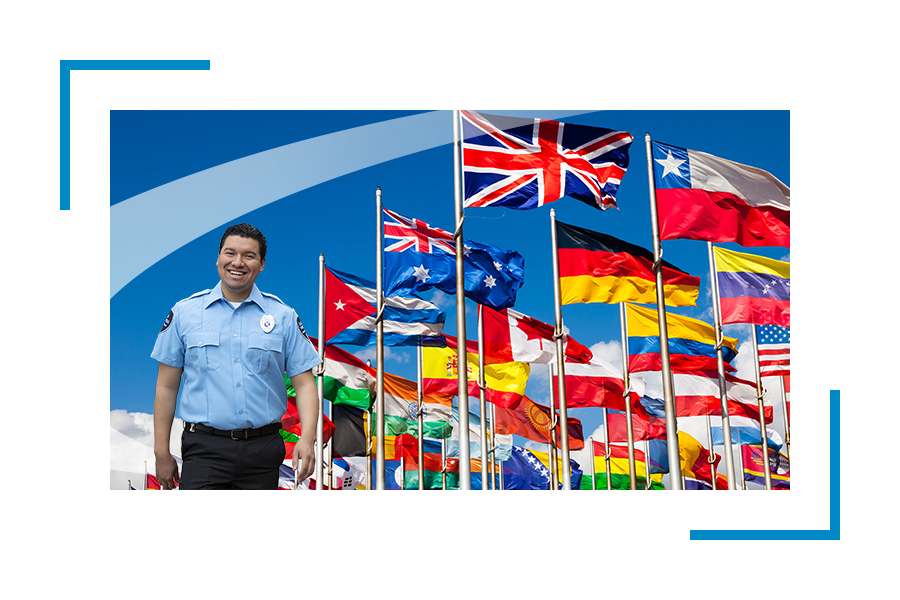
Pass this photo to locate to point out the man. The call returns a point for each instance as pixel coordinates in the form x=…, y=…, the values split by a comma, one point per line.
x=231, y=345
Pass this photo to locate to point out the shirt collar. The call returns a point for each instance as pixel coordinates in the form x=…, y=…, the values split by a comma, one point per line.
x=216, y=294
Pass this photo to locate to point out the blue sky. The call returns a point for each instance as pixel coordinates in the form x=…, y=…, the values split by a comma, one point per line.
x=337, y=218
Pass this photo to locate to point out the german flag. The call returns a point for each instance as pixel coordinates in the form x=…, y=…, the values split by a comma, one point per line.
x=595, y=267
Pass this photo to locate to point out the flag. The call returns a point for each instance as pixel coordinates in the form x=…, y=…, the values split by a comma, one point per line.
x=349, y=437
x=512, y=336
x=576, y=472
x=432, y=466
x=619, y=468
x=418, y=257
x=526, y=163
x=505, y=381
x=347, y=380
x=502, y=443
x=350, y=314
x=697, y=394
x=779, y=467
x=531, y=420
x=753, y=289
x=153, y=483
x=523, y=471
x=598, y=384
x=646, y=427
x=703, y=197
x=401, y=409
x=290, y=427
x=390, y=474
x=692, y=343
x=595, y=267
x=773, y=345
x=745, y=432
x=695, y=458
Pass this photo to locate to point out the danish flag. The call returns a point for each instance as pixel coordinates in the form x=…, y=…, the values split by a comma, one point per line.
x=526, y=163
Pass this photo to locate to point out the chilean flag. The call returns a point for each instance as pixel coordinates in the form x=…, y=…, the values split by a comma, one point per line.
x=703, y=197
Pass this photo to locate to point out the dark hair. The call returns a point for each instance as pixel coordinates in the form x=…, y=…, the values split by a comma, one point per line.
x=246, y=230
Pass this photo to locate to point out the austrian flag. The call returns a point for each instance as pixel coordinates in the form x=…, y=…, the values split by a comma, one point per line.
x=526, y=163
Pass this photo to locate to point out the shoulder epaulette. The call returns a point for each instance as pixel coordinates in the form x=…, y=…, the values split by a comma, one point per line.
x=191, y=297
x=268, y=295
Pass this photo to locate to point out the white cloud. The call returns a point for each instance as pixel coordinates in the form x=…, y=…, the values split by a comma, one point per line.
x=131, y=447
x=611, y=352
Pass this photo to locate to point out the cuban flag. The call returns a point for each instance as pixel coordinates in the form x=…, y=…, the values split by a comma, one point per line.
x=526, y=163
x=702, y=197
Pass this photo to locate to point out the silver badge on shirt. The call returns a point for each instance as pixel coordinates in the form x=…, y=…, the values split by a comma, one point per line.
x=267, y=323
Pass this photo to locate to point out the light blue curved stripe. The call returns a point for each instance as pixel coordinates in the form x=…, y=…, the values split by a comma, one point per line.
x=142, y=230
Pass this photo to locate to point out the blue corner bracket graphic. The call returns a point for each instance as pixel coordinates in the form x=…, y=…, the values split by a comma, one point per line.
x=834, y=530
x=67, y=66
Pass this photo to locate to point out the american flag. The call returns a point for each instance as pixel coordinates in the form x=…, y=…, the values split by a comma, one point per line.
x=774, y=345
x=404, y=233
x=526, y=163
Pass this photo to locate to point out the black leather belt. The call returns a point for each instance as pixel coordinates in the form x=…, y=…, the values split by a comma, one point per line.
x=235, y=434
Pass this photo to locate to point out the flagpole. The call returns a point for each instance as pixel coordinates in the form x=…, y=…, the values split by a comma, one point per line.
x=420, y=416
x=443, y=465
x=648, y=484
x=668, y=385
x=712, y=454
x=607, y=452
x=492, y=447
x=482, y=407
x=379, y=351
x=720, y=363
x=560, y=359
x=764, y=441
x=787, y=427
x=368, y=426
x=320, y=377
x=743, y=481
x=499, y=467
x=145, y=476
x=465, y=480
x=551, y=451
x=632, y=476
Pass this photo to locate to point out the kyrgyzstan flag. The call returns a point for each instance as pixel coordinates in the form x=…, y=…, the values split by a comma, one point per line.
x=531, y=420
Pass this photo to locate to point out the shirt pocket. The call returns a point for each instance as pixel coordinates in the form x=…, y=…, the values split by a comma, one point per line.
x=264, y=352
x=202, y=350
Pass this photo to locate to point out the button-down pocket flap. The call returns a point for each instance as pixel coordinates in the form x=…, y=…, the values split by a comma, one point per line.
x=263, y=341
x=199, y=339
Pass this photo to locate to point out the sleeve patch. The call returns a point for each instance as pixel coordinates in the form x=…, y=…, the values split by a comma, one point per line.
x=168, y=321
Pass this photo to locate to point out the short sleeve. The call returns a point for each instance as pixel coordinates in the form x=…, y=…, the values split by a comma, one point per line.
x=169, y=347
x=301, y=355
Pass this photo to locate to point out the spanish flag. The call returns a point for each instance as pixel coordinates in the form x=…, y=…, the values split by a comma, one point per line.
x=595, y=267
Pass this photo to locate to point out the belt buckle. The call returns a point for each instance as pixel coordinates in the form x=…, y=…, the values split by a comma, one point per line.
x=240, y=431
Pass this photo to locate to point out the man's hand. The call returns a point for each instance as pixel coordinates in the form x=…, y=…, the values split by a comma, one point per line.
x=305, y=456
x=166, y=471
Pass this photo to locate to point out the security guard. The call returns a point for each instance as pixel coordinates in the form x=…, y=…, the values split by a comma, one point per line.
x=230, y=345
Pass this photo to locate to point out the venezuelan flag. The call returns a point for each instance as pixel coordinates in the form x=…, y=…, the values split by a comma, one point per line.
x=753, y=289
x=692, y=343
x=595, y=267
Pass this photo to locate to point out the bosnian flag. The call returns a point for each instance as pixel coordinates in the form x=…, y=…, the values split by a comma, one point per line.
x=703, y=197
x=511, y=336
x=350, y=315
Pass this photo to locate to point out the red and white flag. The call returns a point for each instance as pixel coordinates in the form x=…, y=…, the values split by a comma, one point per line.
x=512, y=336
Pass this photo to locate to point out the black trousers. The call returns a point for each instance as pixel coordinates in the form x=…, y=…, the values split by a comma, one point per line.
x=212, y=462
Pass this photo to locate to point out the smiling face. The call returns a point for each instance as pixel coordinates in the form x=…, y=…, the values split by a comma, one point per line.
x=239, y=265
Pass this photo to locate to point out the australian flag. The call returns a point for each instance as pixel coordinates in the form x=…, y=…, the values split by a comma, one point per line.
x=526, y=163
x=418, y=257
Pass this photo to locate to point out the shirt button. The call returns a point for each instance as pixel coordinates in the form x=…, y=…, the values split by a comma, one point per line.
x=237, y=360
x=237, y=385
x=234, y=335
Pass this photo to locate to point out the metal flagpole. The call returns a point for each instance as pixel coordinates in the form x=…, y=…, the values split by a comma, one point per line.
x=648, y=484
x=787, y=426
x=492, y=446
x=465, y=479
x=443, y=465
x=720, y=363
x=498, y=484
x=145, y=476
x=551, y=450
x=320, y=378
x=482, y=386
x=367, y=417
x=420, y=416
x=379, y=352
x=743, y=481
x=762, y=417
x=560, y=360
x=630, y=426
x=712, y=454
x=668, y=386
x=607, y=452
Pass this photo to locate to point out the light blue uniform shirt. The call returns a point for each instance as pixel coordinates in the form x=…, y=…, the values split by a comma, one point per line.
x=232, y=367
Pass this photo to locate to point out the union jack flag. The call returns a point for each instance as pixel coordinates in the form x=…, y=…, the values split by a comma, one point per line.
x=526, y=163
x=416, y=235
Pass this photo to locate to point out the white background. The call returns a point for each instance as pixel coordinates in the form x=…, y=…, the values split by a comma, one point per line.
x=67, y=531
